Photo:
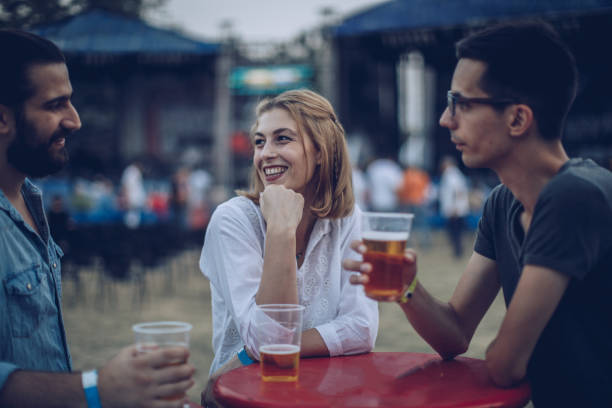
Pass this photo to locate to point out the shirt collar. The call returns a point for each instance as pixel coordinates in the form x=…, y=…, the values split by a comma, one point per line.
x=321, y=228
x=4, y=202
x=28, y=189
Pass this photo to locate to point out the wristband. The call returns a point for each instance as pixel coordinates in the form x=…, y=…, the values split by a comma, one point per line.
x=408, y=292
x=90, y=386
x=244, y=358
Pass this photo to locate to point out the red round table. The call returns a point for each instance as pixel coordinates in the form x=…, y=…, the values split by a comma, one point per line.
x=373, y=380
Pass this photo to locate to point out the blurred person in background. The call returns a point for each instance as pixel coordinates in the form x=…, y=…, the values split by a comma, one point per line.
x=283, y=241
x=199, y=182
x=133, y=194
x=544, y=236
x=60, y=222
x=384, y=179
x=414, y=195
x=179, y=194
x=360, y=188
x=37, y=118
x=454, y=202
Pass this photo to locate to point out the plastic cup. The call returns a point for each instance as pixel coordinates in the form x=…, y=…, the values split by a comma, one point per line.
x=385, y=236
x=155, y=335
x=279, y=335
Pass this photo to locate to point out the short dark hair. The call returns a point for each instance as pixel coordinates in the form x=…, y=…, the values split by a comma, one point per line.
x=528, y=62
x=22, y=50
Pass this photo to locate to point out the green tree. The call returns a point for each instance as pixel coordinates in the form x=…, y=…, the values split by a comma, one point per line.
x=28, y=13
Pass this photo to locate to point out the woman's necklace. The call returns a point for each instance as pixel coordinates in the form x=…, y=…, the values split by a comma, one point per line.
x=298, y=255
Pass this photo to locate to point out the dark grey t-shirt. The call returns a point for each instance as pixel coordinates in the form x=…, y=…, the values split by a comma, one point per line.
x=570, y=232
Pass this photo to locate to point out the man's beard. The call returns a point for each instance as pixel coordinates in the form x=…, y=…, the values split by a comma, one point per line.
x=36, y=160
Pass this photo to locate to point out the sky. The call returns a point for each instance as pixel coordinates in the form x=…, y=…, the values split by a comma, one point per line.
x=252, y=20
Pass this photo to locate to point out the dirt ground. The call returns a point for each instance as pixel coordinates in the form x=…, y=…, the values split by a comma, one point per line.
x=99, y=312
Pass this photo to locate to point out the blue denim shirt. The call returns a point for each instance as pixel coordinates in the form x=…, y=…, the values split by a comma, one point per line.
x=32, y=335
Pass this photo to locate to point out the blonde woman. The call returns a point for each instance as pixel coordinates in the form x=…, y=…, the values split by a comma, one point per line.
x=284, y=240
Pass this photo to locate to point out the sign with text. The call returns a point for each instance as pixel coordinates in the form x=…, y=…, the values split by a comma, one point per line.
x=270, y=79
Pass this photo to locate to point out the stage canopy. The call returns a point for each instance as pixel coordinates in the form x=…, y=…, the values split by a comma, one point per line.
x=419, y=14
x=102, y=32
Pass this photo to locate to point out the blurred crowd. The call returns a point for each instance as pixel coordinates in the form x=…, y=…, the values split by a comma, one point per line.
x=185, y=199
x=448, y=199
x=137, y=218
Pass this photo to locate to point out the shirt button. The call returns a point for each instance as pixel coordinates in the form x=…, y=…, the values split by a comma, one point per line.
x=54, y=264
x=29, y=286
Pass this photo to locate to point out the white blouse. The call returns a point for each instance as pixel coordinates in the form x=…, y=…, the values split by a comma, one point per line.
x=232, y=259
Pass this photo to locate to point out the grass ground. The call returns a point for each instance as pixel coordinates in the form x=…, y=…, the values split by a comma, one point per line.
x=99, y=312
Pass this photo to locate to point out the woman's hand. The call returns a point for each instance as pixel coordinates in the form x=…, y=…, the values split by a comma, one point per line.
x=364, y=268
x=281, y=207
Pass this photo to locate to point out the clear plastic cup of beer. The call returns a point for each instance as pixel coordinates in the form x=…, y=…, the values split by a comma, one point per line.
x=152, y=336
x=385, y=236
x=279, y=335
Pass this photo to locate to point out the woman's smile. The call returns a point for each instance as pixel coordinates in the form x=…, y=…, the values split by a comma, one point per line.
x=273, y=173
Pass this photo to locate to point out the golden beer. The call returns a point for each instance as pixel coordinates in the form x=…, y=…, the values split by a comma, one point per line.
x=279, y=362
x=385, y=252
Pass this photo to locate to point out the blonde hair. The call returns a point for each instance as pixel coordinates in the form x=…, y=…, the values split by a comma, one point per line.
x=315, y=118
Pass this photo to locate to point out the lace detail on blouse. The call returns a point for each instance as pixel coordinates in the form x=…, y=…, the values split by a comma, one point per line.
x=313, y=279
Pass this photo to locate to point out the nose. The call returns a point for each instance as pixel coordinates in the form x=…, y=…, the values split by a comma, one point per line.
x=72, y=121
x=446, y=120
x=269, y=151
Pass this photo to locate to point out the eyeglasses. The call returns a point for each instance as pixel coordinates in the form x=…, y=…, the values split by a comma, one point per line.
x=455, y=98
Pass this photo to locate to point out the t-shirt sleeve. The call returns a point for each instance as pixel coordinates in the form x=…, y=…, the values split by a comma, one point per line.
x=568, y=230
x=484, y=244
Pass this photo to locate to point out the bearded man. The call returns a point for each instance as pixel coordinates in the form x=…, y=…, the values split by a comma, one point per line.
x=37, y=118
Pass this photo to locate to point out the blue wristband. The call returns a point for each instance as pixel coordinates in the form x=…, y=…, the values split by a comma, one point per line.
x=90, y=386
x=244, y=358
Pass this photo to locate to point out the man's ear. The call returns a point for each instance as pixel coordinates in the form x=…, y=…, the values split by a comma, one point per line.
x=7, y=120
x=520, y=119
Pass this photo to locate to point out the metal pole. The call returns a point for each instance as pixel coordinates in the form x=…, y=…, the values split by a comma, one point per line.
x=224, y=175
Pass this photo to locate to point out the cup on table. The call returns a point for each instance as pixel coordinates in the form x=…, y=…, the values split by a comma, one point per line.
x=155, y=335
x=385, y=236
x=279, y=335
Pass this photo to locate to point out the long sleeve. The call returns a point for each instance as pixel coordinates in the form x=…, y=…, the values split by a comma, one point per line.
x=232, y=259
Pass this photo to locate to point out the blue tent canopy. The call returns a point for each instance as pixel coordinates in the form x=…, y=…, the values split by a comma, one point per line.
x=417, y=14
x=102, y=32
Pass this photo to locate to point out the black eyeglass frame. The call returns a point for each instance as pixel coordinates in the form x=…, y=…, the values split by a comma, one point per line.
x=452, y=98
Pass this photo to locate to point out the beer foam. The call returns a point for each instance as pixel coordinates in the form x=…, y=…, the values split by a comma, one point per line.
x=384, y=235
x=279, y=349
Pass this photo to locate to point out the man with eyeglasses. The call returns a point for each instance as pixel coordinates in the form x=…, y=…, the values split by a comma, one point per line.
x=545, y=236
